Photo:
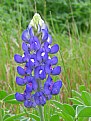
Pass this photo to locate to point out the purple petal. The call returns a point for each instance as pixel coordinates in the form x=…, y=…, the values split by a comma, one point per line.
x=29, y=87
x=21, y=81
x=28, y=71
x=35, y=85
x=56, y=70
x=49, y=80
x=34, y=43
x=42, y=75
x=48, y=68
x=25, y=36
x=39, y=58
x=44, y=27
x=36, y=63
x=46, y=90
x=20, y=71
x=47, y=84
x=27, y=56
x=46, y=46
x=49, y=39
x=24, y=46
x=19, y=97
x=54, y=49
x=44, y=34
x=39, y=98
x=29, y=78
x=27, y=95
x=42, y=100
x=56, y=87
x=31, y=63
x=18, y=58
x=36, y=72
x=36, y=98
x=31, y=32
x=45, y=56
x=48, y=97
x=54, y=60
x=28, y=103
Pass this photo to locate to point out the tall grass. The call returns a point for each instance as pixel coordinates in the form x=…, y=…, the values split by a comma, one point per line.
x=70, y=26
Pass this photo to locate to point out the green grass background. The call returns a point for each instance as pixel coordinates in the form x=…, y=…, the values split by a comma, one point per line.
x=69, y=23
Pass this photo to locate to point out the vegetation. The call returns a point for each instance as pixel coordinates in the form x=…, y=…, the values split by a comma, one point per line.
x=69, y=22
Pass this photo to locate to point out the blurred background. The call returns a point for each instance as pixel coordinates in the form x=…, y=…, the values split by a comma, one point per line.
x=69, y=23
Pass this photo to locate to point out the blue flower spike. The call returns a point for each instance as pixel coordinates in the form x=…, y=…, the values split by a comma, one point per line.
x=39, y=65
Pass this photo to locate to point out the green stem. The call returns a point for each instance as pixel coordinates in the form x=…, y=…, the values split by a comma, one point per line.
x=41, y=111
x=41, y=108
x=1, y=117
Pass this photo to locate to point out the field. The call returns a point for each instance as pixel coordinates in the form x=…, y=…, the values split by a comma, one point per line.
x=69, y=23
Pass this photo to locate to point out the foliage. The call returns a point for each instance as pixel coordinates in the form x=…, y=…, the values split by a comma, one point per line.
x=75, y=112
x=80, y=110
x=67, y=11
x=70, y=26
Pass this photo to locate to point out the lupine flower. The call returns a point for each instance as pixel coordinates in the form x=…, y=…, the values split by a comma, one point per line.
x=37, y=46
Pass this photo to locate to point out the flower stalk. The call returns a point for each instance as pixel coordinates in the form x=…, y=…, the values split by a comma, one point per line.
x=39, y=66
x=41, y=112
x=40, y=108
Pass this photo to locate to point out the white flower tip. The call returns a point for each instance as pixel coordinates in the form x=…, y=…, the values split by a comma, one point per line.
x=36, y=20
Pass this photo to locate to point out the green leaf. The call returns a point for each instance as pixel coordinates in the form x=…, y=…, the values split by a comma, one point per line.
x=13, y=101
x=24, y=119
x=76, y=101
x=64, y=107
x=86, y=98
x=66, y=116
x=37, y=118
x=82, y=88
x=82, y=119
x=3, y=94
x=69, y=109
x=6, y=116
x=75, y=93
x=85, y=112
x=54, y=117
x=78, y=109
x=9, y=97
x=57, y=104
x=74, y=106
x=12, y=118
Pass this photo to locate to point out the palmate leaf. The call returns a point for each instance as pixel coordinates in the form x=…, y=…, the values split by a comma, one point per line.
x=86, y=96
x=37, y=118
x=57, y=104
x=65, y=116
x=75, y=93
x=76, y=101
x=78, y=109
x=83, y=111
x=82, y=119
x=14, y=117
x=65, y=108
x=69, y=109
